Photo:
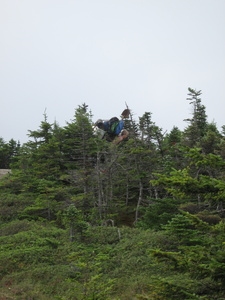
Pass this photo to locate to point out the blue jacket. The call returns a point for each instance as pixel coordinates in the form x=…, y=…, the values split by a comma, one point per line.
x=118, y=129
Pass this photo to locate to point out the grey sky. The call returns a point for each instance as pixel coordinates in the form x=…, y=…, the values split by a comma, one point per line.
x=58, y=54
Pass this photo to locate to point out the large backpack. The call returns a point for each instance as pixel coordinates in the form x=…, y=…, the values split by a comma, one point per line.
x=113, y=122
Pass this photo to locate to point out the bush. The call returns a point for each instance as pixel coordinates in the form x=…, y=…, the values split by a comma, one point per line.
x=158, y=213
x=191, y=208
x=14, y=227
x=209, y=218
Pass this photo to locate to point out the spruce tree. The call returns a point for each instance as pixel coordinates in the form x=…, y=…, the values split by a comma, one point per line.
x=79, y=150
x=198, y=123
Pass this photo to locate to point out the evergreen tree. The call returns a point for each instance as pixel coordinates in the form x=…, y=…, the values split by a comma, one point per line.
x=8, y=153
x=79, y=150
x=174, y=136
x=43, y=134
x=151, y=134
x=210, y=142
x=146, y=127
x=173, y=157
x=45, y=155
x=198, y=123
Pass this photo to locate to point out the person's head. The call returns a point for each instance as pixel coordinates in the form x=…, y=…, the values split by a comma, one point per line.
x=125, y=114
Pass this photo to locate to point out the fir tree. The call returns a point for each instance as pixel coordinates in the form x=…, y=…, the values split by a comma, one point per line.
x=198, y=123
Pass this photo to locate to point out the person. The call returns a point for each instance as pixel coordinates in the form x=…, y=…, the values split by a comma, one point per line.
x=114, y=128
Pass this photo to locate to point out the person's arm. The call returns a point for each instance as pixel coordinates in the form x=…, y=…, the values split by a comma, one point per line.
x=124, y=134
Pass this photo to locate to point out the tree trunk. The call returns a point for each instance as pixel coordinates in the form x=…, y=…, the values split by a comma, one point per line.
x=140, y=198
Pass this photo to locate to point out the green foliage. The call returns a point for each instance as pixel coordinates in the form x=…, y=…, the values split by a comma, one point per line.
x=171, y=186
x=179, y=183
x=187, y=228
x=8, y=153
x=158, y=213
x=198, y=123
x=26, y=248
x=41, y=262
x=73, y=219
x=12, y=205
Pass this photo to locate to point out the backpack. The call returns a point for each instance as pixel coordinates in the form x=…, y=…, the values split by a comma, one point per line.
x=113, y=122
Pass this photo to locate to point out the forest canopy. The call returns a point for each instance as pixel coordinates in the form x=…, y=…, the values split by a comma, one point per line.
x=84, y=218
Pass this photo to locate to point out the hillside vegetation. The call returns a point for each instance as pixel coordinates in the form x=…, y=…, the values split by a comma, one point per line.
x=85, y=219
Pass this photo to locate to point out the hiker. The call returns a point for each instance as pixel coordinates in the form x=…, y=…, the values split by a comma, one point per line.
x=113, y=128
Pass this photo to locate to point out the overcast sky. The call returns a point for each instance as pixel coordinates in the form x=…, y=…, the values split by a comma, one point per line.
x=58, y=54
